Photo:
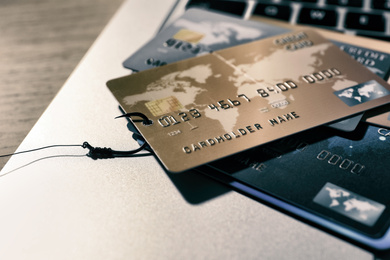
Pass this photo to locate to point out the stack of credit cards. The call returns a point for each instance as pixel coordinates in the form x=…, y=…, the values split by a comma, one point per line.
x=250, y=104
x=211, y=106
x=199, y=31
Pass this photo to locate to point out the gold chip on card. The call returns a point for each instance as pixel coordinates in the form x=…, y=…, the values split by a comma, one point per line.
x=188, y=36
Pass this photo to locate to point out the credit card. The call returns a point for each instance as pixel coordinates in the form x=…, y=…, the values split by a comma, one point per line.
x=215, y=105
x=334, y=179
x=197, y=32
x=371, y=53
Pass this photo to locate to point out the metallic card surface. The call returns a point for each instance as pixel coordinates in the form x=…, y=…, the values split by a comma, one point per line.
x=382, y=119
x=376, y=61
x=245, y=96
x=197, y=31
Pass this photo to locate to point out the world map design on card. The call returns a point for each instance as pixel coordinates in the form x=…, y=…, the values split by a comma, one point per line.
x=237, y=98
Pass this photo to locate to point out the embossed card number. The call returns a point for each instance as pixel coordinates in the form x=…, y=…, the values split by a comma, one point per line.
x=215, y=105
x=169, y=120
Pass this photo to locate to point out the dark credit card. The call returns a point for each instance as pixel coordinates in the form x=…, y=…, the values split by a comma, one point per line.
x=335, y=179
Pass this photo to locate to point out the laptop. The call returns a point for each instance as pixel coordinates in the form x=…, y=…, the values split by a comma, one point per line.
x=59, y=203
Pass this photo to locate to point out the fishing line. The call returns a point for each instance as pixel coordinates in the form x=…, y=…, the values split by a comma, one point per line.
x=97, y=152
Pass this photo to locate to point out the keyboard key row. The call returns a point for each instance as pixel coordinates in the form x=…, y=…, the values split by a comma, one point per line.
x=309, y=13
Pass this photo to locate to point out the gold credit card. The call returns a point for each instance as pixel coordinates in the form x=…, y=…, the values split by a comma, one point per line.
x=215, y=105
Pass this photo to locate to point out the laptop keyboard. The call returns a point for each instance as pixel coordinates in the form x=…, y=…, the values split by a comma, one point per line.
x=370, y=18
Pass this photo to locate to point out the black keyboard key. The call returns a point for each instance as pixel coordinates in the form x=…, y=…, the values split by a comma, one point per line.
x=369, y=22
x=353, y=3
x=317, y=17
x=232, y=7
x=383, y=5
x=306, y=1
x=281, y=12
x=198, y=3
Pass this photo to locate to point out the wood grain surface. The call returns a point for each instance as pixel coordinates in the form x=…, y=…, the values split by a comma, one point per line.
x=41, y=42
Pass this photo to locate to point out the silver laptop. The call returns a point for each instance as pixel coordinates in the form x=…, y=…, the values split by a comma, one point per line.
x=61, y=204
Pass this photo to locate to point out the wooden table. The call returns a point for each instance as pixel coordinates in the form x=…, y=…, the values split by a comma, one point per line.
x=41, y=42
